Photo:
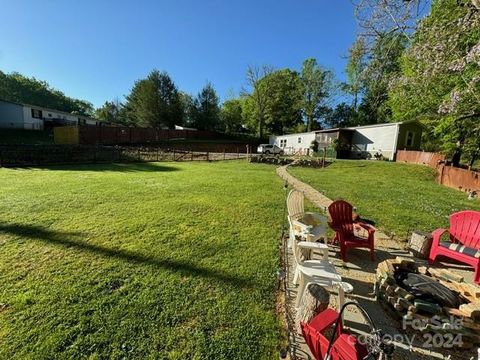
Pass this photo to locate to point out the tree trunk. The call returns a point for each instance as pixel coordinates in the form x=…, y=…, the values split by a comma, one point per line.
x=260, y=127
x=474, y=157
x=457, y=155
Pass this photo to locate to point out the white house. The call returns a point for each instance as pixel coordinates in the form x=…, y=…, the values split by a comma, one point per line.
x=31, y=117
x=294, y=144
x=357, y=142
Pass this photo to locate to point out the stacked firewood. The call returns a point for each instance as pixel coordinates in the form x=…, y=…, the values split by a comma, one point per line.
x=403, y=305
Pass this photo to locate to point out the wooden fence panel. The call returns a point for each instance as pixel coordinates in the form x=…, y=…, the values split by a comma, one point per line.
x=420, y=157
x=456, y=178
x=460, y=179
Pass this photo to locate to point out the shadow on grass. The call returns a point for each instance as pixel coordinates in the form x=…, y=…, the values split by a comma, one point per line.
x=72, y=240
x=107, y=167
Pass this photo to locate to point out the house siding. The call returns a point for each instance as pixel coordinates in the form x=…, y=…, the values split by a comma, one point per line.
x=11, y=115
x=290, y=143
x=368, y=141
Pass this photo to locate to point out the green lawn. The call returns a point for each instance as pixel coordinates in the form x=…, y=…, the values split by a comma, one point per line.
x=140, y=261
x=398, y=197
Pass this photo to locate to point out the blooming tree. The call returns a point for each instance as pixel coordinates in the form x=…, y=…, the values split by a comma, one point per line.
x=440, y=78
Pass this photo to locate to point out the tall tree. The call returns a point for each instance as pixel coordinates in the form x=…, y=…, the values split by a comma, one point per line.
x=206, y=109
x=231, y=115
x=188, y=107
x=283, y=106
x=383, y=67
x=392, y=17
x=109, y=111
x=155, y=101
x=440, y=79
x=355, y=70
x=259, y=95
x=343, y=115
x=317, y=87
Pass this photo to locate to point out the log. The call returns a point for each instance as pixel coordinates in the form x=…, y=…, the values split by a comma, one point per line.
x=405, y=304
x=472, y=311
x=428, y=307
x=390, y=290
x=404, y=293
x=420, y=244
x=443, y=274
x=422, y=270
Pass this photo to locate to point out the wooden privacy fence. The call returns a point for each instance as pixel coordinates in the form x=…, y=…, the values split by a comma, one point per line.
x=453, y=177
x=116, y=135
x=34, y=155
x=420, y=157
x=457, y=178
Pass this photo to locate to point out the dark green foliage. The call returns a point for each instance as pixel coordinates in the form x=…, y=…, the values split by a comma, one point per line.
x=284, y=102
x=317, y=87
x=355, y=70
x=110, y=111
x=155, y=102
x=18, y=88
x=231, y=116
x=206, y=111
x=188, y=108
x=342, y=115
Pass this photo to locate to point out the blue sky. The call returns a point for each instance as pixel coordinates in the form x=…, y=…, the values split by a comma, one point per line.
x=95, y=50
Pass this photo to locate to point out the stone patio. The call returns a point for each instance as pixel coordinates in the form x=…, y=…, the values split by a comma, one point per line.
x=360, y=272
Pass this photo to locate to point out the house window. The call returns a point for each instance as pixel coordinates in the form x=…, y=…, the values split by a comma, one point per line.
x=299, y=140
x=409, y=139
x=36, y=114
x=283, y=143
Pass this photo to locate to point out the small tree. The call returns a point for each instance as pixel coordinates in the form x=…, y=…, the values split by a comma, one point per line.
x=206, y=112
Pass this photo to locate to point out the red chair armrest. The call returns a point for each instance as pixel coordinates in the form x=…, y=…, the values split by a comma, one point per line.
x=369, y=228
x=437, y=234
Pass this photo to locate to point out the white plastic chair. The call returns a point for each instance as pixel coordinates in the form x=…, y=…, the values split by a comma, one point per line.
x=297, y=219
x=321, y=272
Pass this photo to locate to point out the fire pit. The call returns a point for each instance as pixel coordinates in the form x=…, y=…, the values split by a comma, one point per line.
x=432, y=301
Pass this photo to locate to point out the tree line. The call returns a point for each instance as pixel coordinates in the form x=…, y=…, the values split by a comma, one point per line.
x=17, y=88
x=273, y=102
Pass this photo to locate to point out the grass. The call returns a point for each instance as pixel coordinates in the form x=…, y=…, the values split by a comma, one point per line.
x=398, y=197
x=139, y=261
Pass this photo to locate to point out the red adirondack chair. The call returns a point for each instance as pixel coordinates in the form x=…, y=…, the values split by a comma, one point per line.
x=345, y=347
x=464, y=244
x=341, y=214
